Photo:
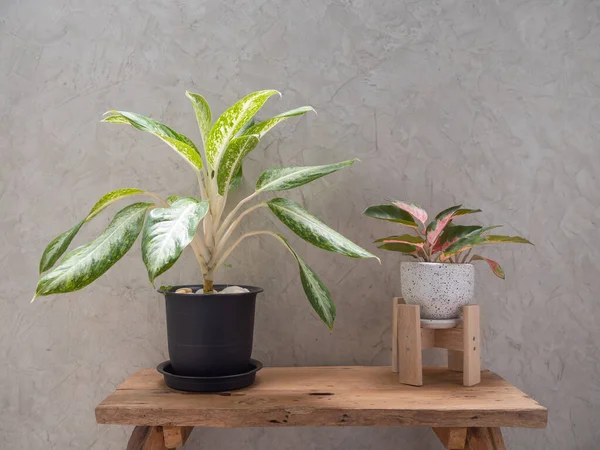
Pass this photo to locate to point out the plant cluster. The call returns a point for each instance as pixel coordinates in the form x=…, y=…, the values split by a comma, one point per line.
x=441, y=240
x=171, y=224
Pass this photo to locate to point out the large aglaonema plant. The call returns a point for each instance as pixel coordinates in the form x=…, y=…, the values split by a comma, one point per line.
x=441, y=240
x=171, y=224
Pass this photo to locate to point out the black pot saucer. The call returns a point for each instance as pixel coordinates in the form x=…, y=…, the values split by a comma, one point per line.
x=209, y=384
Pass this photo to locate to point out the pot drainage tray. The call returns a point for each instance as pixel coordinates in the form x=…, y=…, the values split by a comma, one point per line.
x=209, y=384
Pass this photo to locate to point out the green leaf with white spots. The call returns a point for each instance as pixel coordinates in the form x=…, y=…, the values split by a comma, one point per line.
x=317, y=293
x=178, y=142
x=313, y=231
x=59, y=245
x=203, y=114
x=285, y=178
x=171, y=199
x=168, y=231
x=231, y=122
x=110, y=198
x=231, y=161
x=236, y=181
x=391, y=214
x=86, y=263
x=265, y=126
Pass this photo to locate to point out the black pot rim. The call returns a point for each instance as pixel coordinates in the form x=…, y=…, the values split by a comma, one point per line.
x=195, y=287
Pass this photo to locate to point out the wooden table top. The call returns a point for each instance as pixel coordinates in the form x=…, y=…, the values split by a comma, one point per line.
x=326, y=396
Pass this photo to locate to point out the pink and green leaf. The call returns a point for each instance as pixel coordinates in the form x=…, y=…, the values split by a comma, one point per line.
x=465, y=243
x=390, y=213
x=498, y=271
x=497, y=239
x=465, y=211
x=435, y=228
x=451, y=234
x=416, y=241
x=407, y=249
x=405, y=239
x=415, y=211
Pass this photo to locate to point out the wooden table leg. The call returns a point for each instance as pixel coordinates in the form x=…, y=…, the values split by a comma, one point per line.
x=485, y=439
x=175, y=437
x=452, y=438
x=146, y=438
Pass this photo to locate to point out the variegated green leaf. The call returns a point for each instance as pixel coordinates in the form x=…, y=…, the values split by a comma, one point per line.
x=236, y=181
x=86, y=263
x=390, y=213
x=180, y=143
x=414, y=210
x=171, y=199
x=496, y=239
x=110, y=198
x=285, y=178
x=203, y=114
x=231, y=161
x=313, y=231
x=265, y=126
x=498, y=271
x=168, y=231
x=317, y=293
x=437, y=225
x=59, y=245
x=231, y=122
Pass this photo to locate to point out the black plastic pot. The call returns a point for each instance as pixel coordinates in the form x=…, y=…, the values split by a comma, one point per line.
x=210, y=335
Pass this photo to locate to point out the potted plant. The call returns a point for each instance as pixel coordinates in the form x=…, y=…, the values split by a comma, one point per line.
x=210, y=327
x=442, y=281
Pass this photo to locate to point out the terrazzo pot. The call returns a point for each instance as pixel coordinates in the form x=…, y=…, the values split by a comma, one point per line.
x=441, y=290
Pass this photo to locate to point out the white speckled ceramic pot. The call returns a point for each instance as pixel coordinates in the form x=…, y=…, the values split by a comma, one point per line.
x=441, y=290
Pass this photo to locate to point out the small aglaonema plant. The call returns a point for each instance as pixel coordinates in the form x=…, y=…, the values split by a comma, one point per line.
x=171, y=224
x=441, y=240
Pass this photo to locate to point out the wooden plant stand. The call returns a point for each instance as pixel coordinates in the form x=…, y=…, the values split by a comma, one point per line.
x=461, y=417
x=409, y=339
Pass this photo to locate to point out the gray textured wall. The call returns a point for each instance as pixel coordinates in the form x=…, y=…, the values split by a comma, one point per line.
x=492, y=104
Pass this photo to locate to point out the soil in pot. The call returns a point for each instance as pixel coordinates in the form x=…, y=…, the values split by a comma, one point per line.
x=210, y=335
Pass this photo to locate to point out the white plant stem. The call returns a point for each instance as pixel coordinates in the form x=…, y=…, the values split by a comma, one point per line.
x=222, y=259
x=232, y=214
x=222, y=240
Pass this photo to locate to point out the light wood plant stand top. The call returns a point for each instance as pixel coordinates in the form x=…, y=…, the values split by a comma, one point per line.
x=461, y=417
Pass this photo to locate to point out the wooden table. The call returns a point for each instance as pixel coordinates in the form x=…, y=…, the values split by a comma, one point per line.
x=462, y=417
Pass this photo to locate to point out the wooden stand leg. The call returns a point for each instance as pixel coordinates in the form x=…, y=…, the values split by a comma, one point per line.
x=471, y=344
x=175, y=437
x=452, y=438
x=485, y=439
x=409, y=345
x=455, y=361
x=146, y=438
x=395, y=302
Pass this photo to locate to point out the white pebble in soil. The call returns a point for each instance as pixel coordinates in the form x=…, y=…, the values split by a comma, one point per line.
x=233, y=290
